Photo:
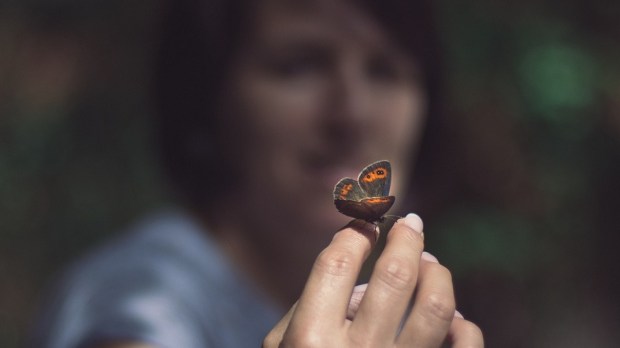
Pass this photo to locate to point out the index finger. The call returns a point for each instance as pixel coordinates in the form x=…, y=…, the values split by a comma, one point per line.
x=324, y=301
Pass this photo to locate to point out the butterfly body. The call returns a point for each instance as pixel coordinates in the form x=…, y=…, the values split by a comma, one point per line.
x=367, y=197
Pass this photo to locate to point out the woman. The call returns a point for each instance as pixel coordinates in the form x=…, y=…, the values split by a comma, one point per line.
x=265, y=105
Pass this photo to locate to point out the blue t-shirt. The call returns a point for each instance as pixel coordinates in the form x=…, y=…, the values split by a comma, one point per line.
x=164, y=283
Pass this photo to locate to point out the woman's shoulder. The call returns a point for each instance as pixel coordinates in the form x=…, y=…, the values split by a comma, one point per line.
x=157, y=282
x=167, y=248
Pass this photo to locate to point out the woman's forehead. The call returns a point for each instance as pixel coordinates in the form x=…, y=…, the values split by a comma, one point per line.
x=282, y=21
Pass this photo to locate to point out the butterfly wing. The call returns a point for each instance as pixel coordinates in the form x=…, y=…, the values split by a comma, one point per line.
x=376, y=178
x=368, y=197
x=348, y=196
x=348, y=189
x=377, y=206
x=370, y=209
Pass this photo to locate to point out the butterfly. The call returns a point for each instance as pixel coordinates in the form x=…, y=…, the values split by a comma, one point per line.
x=366, y=198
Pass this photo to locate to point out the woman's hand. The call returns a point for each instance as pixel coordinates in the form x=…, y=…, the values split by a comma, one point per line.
x=385, y=313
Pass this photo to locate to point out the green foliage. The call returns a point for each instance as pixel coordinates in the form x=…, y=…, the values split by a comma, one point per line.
x=472, y=239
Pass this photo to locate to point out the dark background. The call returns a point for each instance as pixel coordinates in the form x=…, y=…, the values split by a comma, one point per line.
x=533, y=100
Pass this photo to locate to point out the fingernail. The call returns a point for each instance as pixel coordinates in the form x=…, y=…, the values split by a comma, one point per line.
x=429, y=257
x=358, y=292
x=458, y=315
x=356, y=299
x=414, y=222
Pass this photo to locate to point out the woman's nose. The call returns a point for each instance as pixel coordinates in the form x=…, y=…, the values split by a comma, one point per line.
x=348, y=118
x=351, y=97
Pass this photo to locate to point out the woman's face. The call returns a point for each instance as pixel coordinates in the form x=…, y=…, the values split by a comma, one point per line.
x=318, y=90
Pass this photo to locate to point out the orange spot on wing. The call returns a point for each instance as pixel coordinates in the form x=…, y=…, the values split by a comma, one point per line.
x=380, y=173
x=344, y=192
x=370, y=177
x=377, y=200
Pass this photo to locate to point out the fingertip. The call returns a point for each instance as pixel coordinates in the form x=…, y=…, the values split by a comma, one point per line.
x=364, y=227
x=429, y=257
x=458, y=314
x=414, y=222
x=464, y=333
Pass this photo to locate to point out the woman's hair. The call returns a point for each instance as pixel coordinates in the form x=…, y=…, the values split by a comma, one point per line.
x=198, y=40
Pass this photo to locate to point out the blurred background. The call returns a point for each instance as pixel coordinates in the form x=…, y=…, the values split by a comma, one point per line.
x=533, y=112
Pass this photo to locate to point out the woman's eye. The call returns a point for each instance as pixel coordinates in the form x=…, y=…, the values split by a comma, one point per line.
x=295, y=66
x=382, y=69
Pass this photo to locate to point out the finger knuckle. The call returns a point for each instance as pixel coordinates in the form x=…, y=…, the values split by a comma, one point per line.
x=335, y=262
x=303, y=339
x=397, y=272
x=474, y=334
x=441, y=271
x=361, y=342
x=439, y=306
